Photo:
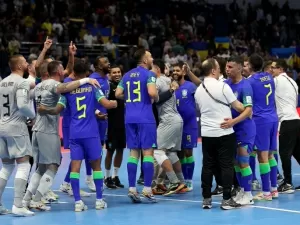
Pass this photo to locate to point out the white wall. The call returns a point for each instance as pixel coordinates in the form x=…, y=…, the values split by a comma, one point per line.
x=294, y=4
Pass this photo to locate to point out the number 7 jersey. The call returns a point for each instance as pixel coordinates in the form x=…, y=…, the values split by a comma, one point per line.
x=264, y=107
x=138, y=105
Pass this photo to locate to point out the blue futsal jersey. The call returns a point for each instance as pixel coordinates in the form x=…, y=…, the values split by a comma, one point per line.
x=66, y=112
x=81, y=102
x=245, y=130
x=137, y=99
x=264, y=108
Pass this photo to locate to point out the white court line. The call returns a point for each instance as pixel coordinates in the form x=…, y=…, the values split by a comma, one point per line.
x=192, y=201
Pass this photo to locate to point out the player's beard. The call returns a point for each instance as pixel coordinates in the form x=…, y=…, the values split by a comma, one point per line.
x=26, y=74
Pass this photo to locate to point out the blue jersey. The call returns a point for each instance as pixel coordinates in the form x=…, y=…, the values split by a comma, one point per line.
x=264, y=108
x=138, y=105
x=81, y=102
x=105, y=88
x=243, y=92
x=66, y=113
x=186, y=104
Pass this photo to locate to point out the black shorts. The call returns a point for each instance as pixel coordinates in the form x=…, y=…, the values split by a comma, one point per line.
x=116, y=139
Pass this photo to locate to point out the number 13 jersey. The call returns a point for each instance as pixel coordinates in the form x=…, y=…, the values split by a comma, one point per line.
x=138, y=105
x=264, y=108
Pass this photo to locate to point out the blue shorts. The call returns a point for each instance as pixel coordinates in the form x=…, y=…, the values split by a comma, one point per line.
x=66, y=137
x=189, y=138
x=85, y=148
x=245, y=138
x=103, y=126
x=266, y=137
x=141, y=135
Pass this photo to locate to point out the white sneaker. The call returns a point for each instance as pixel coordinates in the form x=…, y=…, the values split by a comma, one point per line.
x=90, y=183
x=189, y=185
x=100, y=204
x=238, y=196
x=21, y=211
x=3, y=210
x=49, y=197
x=80, y=206
x=26, y=204
x=246, y=199
x=52, y=194
x=39, y=205
x=65, y=187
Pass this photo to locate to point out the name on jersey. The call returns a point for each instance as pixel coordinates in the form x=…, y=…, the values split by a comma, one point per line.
x=134, y=74
x=7, y=84
x=82, y=90
x=265, y=78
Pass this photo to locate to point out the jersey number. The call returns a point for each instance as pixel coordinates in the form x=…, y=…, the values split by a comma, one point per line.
x=269, y=93
x=81, y=107
x=6, y=105
x=136, y=91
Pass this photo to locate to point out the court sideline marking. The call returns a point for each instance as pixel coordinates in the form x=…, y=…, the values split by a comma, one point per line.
x=190, y=201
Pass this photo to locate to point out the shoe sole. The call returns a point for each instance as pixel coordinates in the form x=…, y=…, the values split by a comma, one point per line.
x=230, y=207
x=207, y=206
x=287, y=192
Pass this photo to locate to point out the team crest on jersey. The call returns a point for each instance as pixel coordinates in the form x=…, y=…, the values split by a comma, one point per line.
x=184, y=93
x=236, y=94
x=153, y=79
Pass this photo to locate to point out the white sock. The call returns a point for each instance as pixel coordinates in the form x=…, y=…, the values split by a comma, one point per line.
x=132, y=189
x=45, y=185
x=273, y=188
x=107, y=174
x=115, y=173
x=88, y=177
x=33, y=185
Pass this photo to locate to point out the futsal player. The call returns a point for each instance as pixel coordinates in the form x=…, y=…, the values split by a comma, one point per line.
x=14, y=138
x=186, y=107
x=266, y=121
x=138, y=89
x=243, y=126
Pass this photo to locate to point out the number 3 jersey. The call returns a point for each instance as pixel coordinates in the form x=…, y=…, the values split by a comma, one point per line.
x=264, y=108
x=138, y=105
x=13, y=89
x=45, y=94
x=81, y=103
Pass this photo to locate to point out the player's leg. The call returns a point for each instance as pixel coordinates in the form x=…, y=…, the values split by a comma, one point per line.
x=50, y=155
x=110, y=149
x=272, y=160
x=77, y=154
x=147, y=141
x=245, y=179
x=132, y=140
x=262, y=145
x=120, y=143
x=20, y=149
x=90, y=144
x=8, y=166
x=66, y=186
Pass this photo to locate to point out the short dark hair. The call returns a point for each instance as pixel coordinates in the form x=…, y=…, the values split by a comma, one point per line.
x=256, y=62
x=222, y=64
x=53, y=67
x=236, y=59
x=13, y=61
x=139, y=54
x=267, y=64
x=80, y=67
x=97, y=60
x=208, y=65
x=179, y=64
x=160, y=63
x=281, y=63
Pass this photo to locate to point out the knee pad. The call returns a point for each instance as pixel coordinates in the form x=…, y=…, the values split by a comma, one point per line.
x=243, y=159
x=160, y=156
x=23, y=171
x=173, y=157
x=6, y=170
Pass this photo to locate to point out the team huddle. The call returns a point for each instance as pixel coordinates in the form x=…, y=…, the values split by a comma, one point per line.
x=166, y=142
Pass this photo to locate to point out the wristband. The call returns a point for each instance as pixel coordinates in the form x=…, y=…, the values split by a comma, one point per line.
x=84, y=81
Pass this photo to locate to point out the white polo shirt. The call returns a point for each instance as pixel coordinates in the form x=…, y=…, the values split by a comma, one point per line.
x=286, y=96
x=212, y=112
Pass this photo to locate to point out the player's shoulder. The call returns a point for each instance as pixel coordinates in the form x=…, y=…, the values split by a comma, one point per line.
x=94, y=75
x=68, y=79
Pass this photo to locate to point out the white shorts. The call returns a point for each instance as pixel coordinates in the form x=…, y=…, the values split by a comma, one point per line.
x=46, y=148
x=15, y=147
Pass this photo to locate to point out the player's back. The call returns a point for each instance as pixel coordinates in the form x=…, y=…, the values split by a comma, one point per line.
x=45, y=93
x=12, y=122
x=137, y=99
x=83, y=123
x=167, y=112
x=264, y=108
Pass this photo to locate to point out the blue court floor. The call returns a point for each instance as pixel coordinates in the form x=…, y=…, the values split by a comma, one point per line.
x=176, y=210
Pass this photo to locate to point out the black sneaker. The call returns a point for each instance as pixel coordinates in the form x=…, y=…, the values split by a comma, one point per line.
x=218, y=191
x=286, y=188
x=279, y=179
x=117, y=182
x=109, y=183
x=174, y=188
x=234, y=191
x=206, y=204
x=230, y=204
x=297, y=188
x=141, y=181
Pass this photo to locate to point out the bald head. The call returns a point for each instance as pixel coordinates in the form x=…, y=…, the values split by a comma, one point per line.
x=208, y=66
